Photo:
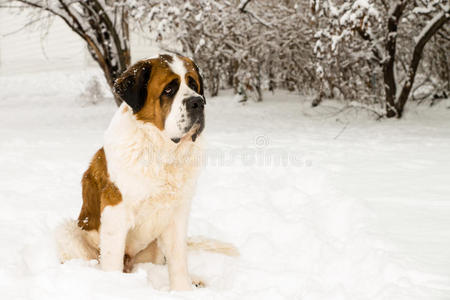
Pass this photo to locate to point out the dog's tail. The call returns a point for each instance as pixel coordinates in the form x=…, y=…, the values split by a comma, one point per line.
x=211, y=245
x=72, y=242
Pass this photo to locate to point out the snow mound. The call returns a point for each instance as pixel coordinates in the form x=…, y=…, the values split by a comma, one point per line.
x=320, y=206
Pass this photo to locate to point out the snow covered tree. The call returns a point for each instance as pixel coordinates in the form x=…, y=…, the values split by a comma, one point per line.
x=369, y=51
x=361, y=40
x=246, y=45
x=102, y=24
x=215, y=35
x=437, y=14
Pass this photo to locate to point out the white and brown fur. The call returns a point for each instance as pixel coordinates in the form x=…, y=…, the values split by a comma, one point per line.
x=138, y=188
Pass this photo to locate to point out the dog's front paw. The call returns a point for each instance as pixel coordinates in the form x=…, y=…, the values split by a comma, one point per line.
x=197, y=281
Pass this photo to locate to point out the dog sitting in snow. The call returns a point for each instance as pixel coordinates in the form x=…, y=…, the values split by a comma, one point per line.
x=137, y=190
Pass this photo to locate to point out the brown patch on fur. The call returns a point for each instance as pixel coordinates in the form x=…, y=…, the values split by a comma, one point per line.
x=110, y=195
x=98, y=192
x=128, y=263
x=192, y=71
x=166, y=57
x=157, y=107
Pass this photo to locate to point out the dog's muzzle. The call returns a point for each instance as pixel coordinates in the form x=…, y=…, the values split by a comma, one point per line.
x=195, y=104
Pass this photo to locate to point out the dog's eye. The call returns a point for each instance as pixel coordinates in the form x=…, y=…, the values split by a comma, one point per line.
x=171, y=89
x=168, y=91
x=192, y=84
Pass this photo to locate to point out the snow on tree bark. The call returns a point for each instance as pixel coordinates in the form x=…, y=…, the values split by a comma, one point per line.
x=370, y=32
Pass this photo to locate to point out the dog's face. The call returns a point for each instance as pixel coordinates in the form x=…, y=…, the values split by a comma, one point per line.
x=166, y=91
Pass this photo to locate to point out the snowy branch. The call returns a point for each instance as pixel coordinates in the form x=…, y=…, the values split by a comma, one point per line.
x=427, y=32
x=242, y=9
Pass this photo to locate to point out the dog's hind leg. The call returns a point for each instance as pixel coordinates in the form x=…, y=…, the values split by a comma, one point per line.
x=152, y=253
x=72, y=242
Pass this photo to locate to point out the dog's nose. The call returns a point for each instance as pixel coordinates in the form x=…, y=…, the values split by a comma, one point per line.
x=195, y=103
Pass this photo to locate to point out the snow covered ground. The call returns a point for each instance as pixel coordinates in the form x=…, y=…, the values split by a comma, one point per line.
x=320, y=205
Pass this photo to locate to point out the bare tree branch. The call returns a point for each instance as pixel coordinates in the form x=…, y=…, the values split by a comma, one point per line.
x=106, y=40
x=242, y=9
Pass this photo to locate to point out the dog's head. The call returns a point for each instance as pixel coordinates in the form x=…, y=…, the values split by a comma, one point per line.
x=166, y=91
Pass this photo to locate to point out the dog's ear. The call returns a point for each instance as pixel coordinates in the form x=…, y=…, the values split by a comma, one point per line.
x=201, y=81
x=131, y=86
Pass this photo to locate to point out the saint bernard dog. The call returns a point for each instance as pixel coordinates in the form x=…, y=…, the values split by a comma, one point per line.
x=138, y=188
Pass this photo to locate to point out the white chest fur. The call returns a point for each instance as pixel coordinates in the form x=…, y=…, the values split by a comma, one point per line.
x=154, y=175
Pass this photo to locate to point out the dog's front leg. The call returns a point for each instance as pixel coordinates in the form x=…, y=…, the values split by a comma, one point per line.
x=173, y=245
x=113, y=233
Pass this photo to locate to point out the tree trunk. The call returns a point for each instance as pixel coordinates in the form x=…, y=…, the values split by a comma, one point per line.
x=390, y=85
x=396, y=104
x=433, y=26
x=104, y=28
